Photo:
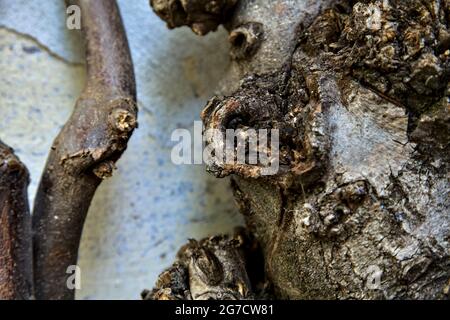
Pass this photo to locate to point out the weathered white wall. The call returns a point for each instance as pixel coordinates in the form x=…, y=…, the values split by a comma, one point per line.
x=149, y=207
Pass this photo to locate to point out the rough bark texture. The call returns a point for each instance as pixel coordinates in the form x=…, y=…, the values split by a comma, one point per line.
x=86, y=149
x=214, y=268
x=360, y=93
x=202, y=16
x=16, y=277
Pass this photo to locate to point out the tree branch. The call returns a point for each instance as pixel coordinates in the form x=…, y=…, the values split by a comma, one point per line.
x=16, y=280
x=86, y=149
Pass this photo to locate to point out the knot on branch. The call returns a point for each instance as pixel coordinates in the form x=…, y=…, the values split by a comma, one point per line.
x=202, y=16
x=330, y=215
x=97, y=135
x=215, y=268
x=245, y=40
x=267, y=128
x=123, y=120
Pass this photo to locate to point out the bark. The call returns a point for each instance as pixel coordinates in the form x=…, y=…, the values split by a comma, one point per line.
x=86, y=149
x=16, y=277
x=201, y=16
x=359, y=91
x=214, y=268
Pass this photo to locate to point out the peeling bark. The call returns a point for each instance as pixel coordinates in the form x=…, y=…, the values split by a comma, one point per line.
x=16, y=272
x=86, y=149
x=359, y=91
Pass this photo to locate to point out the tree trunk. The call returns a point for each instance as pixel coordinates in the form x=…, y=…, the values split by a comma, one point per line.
x=359, y=91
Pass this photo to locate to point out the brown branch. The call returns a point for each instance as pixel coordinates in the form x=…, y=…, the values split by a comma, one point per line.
x=86, y=149
x=16, y=280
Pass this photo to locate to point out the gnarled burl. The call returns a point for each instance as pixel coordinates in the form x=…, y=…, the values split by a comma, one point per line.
x=359, y=91
x=86, y=149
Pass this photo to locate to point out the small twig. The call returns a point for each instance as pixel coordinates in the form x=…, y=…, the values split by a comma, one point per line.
x=16, y=280
x=86, y=149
